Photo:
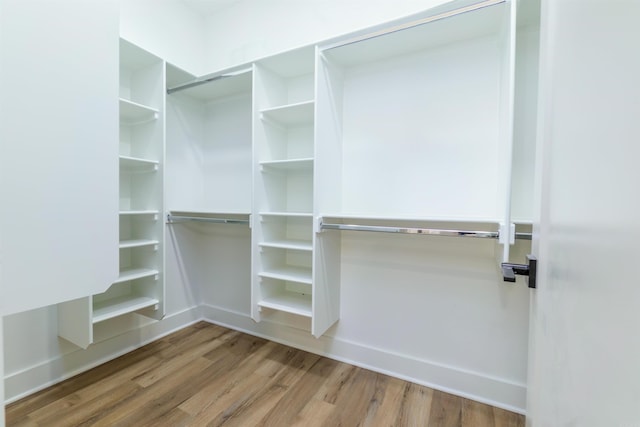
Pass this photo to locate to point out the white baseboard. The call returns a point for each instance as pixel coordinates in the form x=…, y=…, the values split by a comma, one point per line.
x=497, y=392
x=35, y=378
x=482, y=388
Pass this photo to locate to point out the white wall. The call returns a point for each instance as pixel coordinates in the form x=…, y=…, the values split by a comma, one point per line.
x=251, y=29
x=417, y=313
x=167, y=29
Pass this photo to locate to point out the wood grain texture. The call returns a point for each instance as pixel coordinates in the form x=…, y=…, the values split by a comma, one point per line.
x=207, y=375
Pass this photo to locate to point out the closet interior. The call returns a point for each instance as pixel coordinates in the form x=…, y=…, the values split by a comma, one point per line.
x=315, y=191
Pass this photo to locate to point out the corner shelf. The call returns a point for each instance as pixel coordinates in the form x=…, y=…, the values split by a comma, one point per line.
x=289, y=274
x=137, y=243
x=289, y=214
x=299, y=113
x=108, y=309
x=136, y=164
x=289, y=164
x=135, y=273
x=296, y=245
x=289, y=302
x=132, y=113
x=140, y=212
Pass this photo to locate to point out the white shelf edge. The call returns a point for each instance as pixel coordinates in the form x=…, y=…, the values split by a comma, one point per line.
x=302, y=163
x=288, y=244
x=289, y=274
x=135, y=273
x=288, y=106
x=139, y=160
x=139, y=106
x=115, y=307
x=137, y=243
x=289, y=302
x=290, y=214
x=139, y=212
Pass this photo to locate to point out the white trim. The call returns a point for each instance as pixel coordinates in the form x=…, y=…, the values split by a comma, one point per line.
x=38, y=377
x=494, y=391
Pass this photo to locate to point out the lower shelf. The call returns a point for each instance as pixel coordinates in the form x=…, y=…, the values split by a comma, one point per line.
x=115, y=307
x=135, y=273
x=289, y=302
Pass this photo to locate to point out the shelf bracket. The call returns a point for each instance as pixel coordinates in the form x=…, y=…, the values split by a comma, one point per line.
x=509, y=271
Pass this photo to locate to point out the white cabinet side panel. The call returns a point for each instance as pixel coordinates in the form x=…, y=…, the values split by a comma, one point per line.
x=58, y=172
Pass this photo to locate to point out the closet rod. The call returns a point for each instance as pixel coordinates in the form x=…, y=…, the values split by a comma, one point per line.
x=407, y=25
x=205, y=80
x=421, y=231
x=172, y=219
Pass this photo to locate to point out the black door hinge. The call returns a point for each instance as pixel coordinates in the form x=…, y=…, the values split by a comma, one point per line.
x=510, y=270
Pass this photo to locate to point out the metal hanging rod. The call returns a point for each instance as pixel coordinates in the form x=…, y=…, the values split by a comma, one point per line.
x=421, y=231
x=205, y=80
x=172, y=219
x=407, y=25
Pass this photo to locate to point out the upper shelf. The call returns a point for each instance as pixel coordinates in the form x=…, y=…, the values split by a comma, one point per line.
x=135, y=164
x=429, y=33
x=290, y=164
x=133, y=113
x=299, y=113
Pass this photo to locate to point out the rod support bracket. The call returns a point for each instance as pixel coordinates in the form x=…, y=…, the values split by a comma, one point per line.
x=510, y=270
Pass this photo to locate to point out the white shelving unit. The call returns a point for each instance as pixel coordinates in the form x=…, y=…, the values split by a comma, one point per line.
x=283, y=277
x=140, y=285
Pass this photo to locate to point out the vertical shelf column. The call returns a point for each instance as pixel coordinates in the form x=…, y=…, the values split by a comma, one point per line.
x=140, y=285
x=283, y=276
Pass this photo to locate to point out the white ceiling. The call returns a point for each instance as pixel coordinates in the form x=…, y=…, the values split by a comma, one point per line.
x=207, y=7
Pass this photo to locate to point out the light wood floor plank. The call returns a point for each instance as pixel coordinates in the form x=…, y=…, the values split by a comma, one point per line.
x=207, y=375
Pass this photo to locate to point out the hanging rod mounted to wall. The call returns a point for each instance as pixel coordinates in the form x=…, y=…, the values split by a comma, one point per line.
x=207, y=79
x=420, y=231
x=173, y=219
x=404, y=26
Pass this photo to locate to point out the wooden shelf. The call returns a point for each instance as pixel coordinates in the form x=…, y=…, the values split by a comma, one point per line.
x=137, y=243
x=299, y=245
x=292, y=114
x=135, y=273
x=289, y=273
x=134, y=164
x=132, y=113
x=289, y=165
x=108, y=309
x=289, y=302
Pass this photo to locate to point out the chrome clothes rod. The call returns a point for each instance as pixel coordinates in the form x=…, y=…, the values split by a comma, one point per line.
x=421, y=231
x=412, y=24
x=205, y=80
x=172, y=219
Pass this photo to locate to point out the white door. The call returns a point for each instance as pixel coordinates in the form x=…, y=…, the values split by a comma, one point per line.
x=58, y=150
x=584, y=366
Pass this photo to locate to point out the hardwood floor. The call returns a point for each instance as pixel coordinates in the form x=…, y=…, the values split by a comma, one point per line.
x=206, y=375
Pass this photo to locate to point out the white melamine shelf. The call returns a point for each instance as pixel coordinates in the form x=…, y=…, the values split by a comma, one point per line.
x=289, y=273
x=133, y=113
x=292, y=114
x=137, y=164
x=298, y=245
x=135, y=273
x=289, y=302
x=374, y=217
x=139, y=212
x=108, y=309
x=290, y=164
x=136, y=243
x=288, y=214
